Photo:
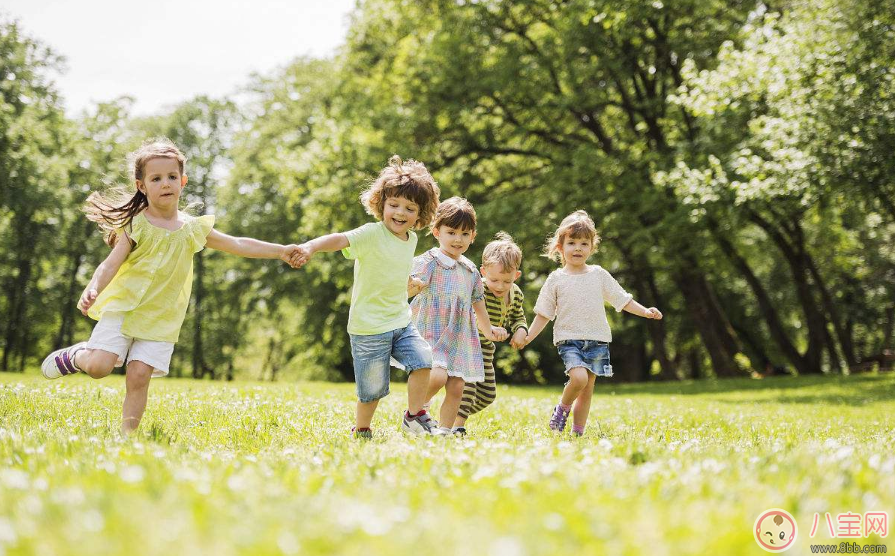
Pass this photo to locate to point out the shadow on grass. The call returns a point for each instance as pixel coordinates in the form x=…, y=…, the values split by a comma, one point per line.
x=836, y=390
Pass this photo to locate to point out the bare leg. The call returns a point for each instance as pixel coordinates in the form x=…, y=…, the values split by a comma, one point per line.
x=437, y=379
x=577, y=381
x=453, y=393
x=137, y=389
x=417, y=384
x=97, y=363
x=364, y=415
x=582, y=403
x=460, y=421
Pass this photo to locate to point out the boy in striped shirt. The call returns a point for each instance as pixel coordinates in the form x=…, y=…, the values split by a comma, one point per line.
x=500, y=270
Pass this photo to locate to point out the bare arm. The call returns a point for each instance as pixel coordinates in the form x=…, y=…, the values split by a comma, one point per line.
x=105, y=272
x=537, y=326
x=327, y=244
x=249, y=247
x=637, y=309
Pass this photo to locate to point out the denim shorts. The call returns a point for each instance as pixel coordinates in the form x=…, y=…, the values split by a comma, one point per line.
x=373, y=353
x=590, y=354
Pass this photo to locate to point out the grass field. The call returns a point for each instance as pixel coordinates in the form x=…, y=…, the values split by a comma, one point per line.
x=252, y=468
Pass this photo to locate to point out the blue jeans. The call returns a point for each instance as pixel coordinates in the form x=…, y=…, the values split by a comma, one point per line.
x=590, y=354
x=373, y=353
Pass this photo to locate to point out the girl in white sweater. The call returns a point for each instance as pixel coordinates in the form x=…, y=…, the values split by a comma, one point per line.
x=575, y=295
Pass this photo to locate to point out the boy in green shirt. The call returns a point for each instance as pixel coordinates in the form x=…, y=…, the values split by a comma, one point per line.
x=403, y=198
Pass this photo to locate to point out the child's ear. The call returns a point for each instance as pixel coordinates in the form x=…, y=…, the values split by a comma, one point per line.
x=435, y=232
x=140, y=186
x=473, y=237
x=518, y=274
x=183, y=180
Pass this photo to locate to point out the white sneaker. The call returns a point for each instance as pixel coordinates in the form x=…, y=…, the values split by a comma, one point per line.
x=61, y=362
x=420, y=424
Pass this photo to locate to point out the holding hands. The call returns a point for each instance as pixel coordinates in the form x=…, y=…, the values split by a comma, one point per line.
x=498, y=334
x=518, y=339
x=293, y=255
x=300, y=255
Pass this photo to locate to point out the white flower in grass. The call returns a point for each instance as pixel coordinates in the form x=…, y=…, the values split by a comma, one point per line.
x=15, y=479
x=507, y=546
x=133, y=474
x=7, y=532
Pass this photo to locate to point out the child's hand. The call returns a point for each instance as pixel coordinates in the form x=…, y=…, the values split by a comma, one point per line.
x=415, y=286
x=86, y=301
x=518, y=340
x=653, y=313
x=499, y=334
x=300, y=255
x=290, y=255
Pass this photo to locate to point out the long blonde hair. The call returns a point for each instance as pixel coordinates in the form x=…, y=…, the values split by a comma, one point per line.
x=117, y=207
x=576, y=225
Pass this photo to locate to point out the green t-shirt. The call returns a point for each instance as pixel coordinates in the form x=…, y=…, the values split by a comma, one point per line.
x=382, y=265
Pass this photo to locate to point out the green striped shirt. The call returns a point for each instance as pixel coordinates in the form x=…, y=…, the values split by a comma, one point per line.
x=506, y=314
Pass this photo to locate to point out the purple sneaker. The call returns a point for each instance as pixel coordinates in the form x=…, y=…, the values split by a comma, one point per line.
x=558, y=420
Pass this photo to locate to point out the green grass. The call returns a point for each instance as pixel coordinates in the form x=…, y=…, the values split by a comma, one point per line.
x=255, y=468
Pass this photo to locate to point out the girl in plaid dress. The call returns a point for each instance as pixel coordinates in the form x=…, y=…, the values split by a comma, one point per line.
x=449, y=306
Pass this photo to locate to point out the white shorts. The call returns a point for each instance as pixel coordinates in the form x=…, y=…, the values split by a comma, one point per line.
x=107, y=336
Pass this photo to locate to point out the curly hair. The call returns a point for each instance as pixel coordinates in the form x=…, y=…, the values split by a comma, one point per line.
x=502, y=250
x=410, y=180
x=577, y=225
x=115, y=208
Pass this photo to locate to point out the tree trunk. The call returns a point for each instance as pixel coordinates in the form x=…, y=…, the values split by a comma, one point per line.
x=765, y=305
x=645, y=285
x=815, y=321
x=17, y=294
x=710, y=321
x=199, y=367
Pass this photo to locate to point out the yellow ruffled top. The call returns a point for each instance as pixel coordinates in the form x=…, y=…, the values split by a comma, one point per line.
x=152, y=287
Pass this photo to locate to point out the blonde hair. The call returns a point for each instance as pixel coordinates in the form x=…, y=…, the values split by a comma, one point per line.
x=576, y=225
x=117, y=207
x=410, y=180
x=502, y=250
x=456, y=213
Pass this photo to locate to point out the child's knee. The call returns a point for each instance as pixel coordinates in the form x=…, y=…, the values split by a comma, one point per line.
x=454, y=386
x=578, y=377
x=138, y=375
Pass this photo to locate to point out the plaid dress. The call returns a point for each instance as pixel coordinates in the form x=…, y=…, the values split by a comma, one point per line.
x=443, y=313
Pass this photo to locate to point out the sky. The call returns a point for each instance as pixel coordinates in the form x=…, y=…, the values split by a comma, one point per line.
x=168, y=51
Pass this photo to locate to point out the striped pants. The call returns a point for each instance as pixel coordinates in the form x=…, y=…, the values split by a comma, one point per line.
x=479, y=395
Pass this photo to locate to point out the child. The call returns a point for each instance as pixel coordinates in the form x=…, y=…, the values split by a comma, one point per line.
x=403, y=198
x=501, y=261
x=575, y=296
x=449, y=304
x=140, y=293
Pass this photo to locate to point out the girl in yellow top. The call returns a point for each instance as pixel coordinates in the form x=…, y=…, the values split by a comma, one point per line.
x=140, y=293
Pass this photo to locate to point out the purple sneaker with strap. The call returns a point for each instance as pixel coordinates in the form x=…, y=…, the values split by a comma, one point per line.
x=558, y=420
x=62, y=362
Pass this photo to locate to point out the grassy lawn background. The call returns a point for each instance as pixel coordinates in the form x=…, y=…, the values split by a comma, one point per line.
x=251, y=468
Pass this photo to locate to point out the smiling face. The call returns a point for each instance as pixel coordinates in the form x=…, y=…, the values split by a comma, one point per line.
x=775, y=530
x=453, y=241
x=576, y=250
x=162, y=183
x=498, y=279
x=400, y=215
